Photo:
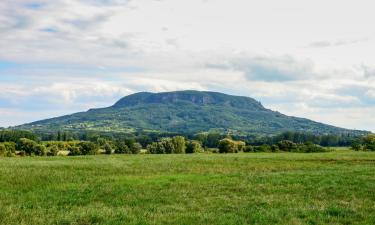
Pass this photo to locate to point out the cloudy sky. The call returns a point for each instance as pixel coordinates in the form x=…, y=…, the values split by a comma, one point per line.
x=313, y=59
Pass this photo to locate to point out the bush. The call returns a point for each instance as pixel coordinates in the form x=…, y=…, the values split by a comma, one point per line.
x=193, y=147
x=136, y=148
x=40, y=150
x=287, y=146
x=30, y=147
x=248, y=148
x=53, y=150
x=3, y=150
x=179, y=145
x=262, y=148
x=227, y=145
x=122, y=148
x=174, y=145
x=107, y=149
x=369, y=142
x=74, y=150
x=88, y=148
x=310, y=148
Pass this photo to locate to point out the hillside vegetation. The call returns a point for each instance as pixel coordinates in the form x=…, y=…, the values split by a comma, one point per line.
x=187, y=112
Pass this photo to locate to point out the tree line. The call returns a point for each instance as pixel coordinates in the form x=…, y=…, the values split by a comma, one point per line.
x=14, y=142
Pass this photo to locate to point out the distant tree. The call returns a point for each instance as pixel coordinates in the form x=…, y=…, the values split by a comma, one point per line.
x=227, y=145
x=122, y=148
x=26, y=145
x=356, y=145
x=53, y=150
x=248, y=148
x=88, y=148
x=74, y=150
x=40, y=150
x=193, y=147
x=287, y=146
x=178, y=144
x=136, y=148
x=369, y=142
x=107, y=149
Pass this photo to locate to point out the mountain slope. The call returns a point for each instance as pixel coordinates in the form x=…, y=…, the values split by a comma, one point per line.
x=184, y=112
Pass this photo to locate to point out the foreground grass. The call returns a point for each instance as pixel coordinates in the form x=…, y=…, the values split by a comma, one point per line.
x=258, y=188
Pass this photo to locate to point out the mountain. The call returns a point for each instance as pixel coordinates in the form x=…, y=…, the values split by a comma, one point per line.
x=184, y=112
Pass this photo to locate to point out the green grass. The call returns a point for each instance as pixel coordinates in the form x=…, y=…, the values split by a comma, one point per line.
x=255, y=188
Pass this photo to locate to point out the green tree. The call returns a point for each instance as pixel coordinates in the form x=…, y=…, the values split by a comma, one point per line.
x=88, y=148
x=369, y=142
x=26, y=145
x=227, y=145
x=193, y=147
x=179, y=145
x=122, y=148
x=136, y=148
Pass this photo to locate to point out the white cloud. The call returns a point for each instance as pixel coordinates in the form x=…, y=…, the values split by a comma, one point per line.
x=74, y=55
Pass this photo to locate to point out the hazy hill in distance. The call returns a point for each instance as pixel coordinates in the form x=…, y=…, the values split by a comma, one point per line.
x=184, y=112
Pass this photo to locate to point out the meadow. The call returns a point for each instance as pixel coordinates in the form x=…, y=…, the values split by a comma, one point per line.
x=337, y=187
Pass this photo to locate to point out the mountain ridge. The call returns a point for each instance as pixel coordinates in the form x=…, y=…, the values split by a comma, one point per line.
x=185, y=112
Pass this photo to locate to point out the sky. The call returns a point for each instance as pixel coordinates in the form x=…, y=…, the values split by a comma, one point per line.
x=312, y=59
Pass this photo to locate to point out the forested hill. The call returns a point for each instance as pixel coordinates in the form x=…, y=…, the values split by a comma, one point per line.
x=185, y=112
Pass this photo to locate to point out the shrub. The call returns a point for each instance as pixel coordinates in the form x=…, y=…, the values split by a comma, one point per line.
x=287, y=146
x=122, y=148
x=248, y=148
x=193, y=147
x=369, y=142
x=88, y=148
x=3, y=150
x=155, y=148
x=53, y=150
x=40, y=150
x=179, y=145
x=136, y=148
x=262, y=148
x=74, y=150
x=30, y=147
x=309, y=147
x=107, y=149
x=227, y=145
x=275, y=148
x=168, y=145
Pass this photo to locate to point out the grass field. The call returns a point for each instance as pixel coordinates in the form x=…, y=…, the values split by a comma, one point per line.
x=254, y=188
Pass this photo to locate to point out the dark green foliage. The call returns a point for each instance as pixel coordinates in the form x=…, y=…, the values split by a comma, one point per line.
x=30, y=147
x=15, y=135
x=122, y=148
x=248, y=148
x=310, y=148
x=40, y=150
x=88, y=148
x=26, y=145
x=193, y=147
x=369, y=142
x=74, y=150
x=262, y=148
x=107, y=149
x=303, y=137
x=53, y=150
x=186, y=112
x=287, y=146
x=136, y=148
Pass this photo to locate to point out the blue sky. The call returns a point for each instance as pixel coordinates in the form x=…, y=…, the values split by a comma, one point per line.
x=313, y=59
